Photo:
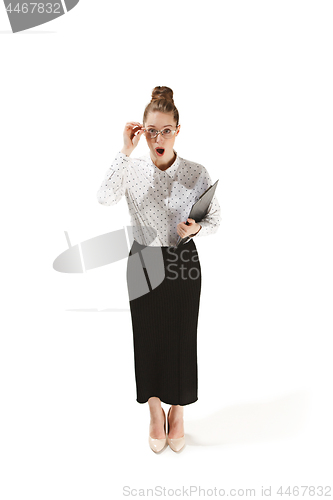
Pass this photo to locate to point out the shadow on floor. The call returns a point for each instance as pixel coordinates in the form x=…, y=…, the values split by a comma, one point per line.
x=250, y=422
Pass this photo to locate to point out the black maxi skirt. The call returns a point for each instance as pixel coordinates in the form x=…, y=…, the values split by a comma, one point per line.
x=164, y=321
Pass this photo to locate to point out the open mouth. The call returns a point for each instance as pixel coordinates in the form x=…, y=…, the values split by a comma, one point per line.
x=160, y=151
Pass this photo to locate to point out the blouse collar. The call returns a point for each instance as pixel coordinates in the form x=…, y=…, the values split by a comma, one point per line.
x=172, y=169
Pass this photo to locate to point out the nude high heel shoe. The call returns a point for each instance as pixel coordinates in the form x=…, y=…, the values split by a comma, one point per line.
x=176, y=444
x=158, y=444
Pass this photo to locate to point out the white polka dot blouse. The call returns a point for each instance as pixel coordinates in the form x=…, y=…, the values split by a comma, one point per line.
x=159, y=199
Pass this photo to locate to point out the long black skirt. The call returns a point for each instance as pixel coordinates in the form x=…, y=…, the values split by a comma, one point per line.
x=164, y=286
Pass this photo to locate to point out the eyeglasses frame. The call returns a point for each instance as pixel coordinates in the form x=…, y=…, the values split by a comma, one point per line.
x=161, y=132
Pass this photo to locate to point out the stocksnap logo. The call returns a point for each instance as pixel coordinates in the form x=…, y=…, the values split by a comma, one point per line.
x=25, y=15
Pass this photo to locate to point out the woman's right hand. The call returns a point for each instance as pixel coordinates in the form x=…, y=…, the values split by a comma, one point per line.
x=132, y=133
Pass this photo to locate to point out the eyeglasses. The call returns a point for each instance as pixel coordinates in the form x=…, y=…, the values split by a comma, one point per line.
x=166, y=133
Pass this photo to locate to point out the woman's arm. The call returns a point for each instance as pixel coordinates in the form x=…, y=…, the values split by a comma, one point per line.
x=113, y=186
x=212, y=220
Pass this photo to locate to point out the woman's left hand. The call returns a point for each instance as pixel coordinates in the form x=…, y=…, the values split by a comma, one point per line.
x=187, y=230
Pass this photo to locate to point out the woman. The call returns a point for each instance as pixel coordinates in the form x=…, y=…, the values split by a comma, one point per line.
x=160, y=190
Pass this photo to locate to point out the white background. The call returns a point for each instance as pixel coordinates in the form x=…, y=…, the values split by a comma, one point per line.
x=253, y=84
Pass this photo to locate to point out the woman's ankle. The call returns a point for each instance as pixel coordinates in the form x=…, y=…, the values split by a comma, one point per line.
x=176, y=412
x=155, y=407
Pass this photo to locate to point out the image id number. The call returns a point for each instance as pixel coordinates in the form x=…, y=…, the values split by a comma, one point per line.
x=41, y=8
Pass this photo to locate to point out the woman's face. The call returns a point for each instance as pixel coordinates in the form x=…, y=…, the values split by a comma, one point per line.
x=161, y=148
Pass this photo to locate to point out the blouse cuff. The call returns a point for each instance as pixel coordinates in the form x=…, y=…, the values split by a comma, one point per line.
x=123, y=156
x=206, y=228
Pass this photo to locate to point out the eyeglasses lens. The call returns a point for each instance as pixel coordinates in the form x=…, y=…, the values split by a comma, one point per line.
x=167, y=133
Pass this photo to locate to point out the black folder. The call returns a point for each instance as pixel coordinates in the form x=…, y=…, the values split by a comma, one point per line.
x=199, y=209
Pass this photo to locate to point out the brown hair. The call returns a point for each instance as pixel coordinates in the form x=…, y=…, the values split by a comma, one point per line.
x=162, y=100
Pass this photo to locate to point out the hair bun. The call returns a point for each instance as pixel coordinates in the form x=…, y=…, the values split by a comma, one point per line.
x=162, y=93
x=161, y=102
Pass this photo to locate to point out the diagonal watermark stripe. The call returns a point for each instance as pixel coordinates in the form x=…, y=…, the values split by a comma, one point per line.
x=24, y=15
x=145, y=268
